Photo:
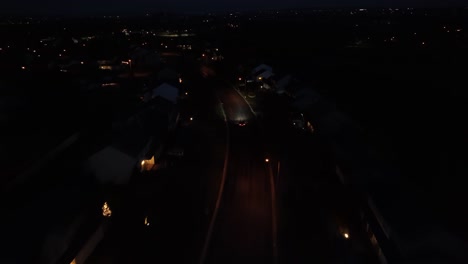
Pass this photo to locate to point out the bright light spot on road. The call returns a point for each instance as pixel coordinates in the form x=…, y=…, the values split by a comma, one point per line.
x=346, y=235
x=267, y=160
x=106, y=211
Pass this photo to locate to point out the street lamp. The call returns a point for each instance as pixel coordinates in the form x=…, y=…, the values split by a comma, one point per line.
x=267, y=160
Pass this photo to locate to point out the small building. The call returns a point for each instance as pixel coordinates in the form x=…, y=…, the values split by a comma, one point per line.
x=281, y=84
x=261, y=68
x=263, y=76
x=135, y=141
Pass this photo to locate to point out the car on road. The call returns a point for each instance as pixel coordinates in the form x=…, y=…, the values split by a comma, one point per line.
x=242, y=123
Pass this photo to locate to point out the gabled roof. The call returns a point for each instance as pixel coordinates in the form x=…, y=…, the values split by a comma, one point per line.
x=283, y=82
x=111, y=165
x=167, y=92
x=265, y=75
x=262, y=67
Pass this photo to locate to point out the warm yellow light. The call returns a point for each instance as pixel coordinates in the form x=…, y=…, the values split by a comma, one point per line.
x=180, y=80
x=346, y=235
x=142, y=163
x=106, y=211
x=267, y=160
x=259, y=78
x=146, y=221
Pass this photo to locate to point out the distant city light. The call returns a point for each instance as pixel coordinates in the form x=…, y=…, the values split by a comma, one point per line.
x=240, y=79
x=23, y=68
x=191, y=119
x=82, y=62
x=180, y=80
x=346, y=235
x=146, y=221
x=267, y=160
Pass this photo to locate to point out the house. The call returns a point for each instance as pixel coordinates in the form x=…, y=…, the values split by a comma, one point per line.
x=166, y=99
x=263, y=76
x=134, y=140
x=281, y=84
x=261, y=68
x=166, y=91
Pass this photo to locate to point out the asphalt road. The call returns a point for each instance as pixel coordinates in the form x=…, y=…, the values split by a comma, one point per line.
x=243, y=230
x=314, y=209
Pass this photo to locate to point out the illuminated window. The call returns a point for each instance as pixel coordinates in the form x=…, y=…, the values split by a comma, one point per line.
x=105, y=67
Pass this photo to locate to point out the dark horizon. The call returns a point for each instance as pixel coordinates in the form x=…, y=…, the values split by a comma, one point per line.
x=85, y=8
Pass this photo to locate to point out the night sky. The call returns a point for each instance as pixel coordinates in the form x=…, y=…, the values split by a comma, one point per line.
x=143, y=6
